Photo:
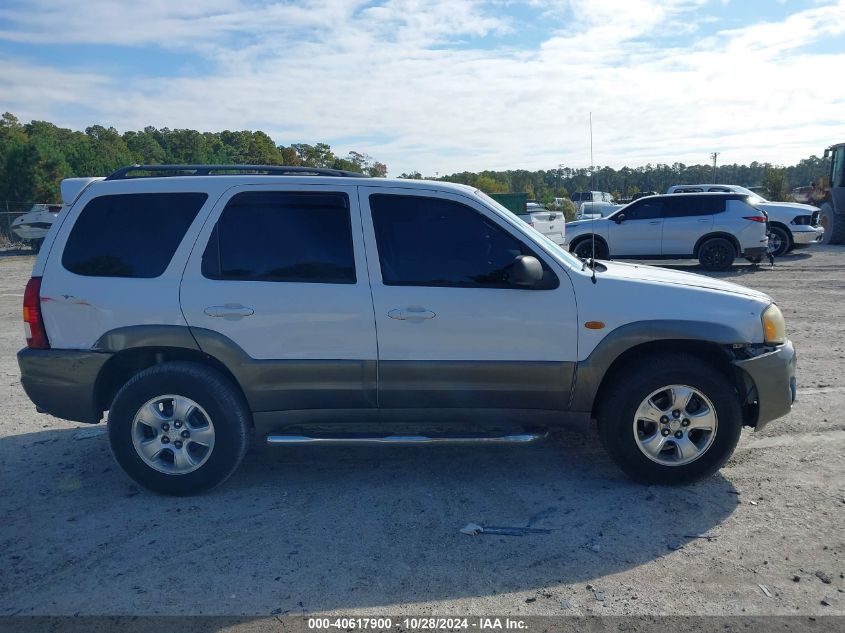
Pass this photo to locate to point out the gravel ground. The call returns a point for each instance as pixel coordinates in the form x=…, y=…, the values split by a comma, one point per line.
x=376, y=530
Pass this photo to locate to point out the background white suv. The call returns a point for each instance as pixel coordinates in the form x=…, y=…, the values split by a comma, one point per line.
x=791, y=224
x=715, y=228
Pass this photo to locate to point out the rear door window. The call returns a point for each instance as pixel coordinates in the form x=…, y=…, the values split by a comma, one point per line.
x=130, y=235
x=282, y=236
x=687, y=206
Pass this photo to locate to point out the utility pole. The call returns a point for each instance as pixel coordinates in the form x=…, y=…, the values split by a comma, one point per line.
x=714, y=156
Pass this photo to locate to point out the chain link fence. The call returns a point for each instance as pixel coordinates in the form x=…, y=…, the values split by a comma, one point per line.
x=9, y=212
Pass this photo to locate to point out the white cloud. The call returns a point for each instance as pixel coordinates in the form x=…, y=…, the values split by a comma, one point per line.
x=394, y=73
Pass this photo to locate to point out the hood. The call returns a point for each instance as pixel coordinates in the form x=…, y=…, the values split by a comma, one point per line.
x=797, y=206
x=579, y=223
x=654, y=274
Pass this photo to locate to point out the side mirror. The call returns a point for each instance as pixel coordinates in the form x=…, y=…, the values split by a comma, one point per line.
x=526, y=271
x=619, y=219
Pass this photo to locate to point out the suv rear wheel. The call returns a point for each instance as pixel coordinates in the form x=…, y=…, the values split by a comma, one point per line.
x=671, y=425
x=179, y=428
x=716, y=253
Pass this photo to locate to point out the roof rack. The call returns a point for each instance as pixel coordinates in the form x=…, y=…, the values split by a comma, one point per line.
x=125, y=173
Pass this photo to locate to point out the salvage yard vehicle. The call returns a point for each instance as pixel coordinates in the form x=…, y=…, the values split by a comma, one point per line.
x=550, y=223
x=33, y=225
x=791, y=224
x=714, y=228
x=833, y=208
x=204, y=305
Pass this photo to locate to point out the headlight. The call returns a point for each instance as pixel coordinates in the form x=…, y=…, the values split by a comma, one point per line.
x=774, y=327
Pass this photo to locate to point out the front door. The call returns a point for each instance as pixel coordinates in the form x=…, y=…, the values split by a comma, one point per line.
x=277, y=283
x=452, y=332
x=640, y=232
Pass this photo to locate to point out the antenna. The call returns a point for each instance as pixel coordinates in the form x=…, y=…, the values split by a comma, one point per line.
x=593, y=210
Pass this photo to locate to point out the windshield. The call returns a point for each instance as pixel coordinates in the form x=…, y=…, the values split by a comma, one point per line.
x=558, y=250
x=754, y=198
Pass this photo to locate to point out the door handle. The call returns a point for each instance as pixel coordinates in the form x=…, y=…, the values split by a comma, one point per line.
x=230, y=311
x=411, y=313
x=655, y=222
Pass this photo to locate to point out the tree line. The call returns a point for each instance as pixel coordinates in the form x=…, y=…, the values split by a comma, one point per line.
x=36, y=156
x=545, y=185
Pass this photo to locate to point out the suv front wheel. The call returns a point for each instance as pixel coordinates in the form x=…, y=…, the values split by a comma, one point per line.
x=179, y=428
x=671, y=420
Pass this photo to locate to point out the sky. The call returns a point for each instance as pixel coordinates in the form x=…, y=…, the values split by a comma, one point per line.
x=440, y=86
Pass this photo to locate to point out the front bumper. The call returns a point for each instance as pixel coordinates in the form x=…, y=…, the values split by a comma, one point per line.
x=807, y=235
x=770, y=378
x=63, y=382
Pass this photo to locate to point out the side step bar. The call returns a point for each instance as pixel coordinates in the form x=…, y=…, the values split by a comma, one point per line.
x=521, y=438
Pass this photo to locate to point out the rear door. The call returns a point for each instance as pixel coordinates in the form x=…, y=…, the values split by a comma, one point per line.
x=640, y=232
x=686, y=217
x=278, y=279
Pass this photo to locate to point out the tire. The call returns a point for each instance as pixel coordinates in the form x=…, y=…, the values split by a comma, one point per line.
x=217, y=428
x=716, y=253
x=833, y=223
x=584, y=249
x=619, y=431
x=780, y=241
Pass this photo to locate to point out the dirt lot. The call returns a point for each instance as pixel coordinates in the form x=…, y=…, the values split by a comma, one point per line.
x=376, y=530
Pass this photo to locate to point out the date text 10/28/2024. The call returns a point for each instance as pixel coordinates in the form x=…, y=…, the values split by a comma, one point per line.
x=417, y=624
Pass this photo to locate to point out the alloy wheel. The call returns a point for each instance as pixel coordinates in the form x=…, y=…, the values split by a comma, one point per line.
x=675, y=425
x=173, y=434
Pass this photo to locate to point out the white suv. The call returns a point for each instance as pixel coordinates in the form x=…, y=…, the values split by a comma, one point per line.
x=299, y=306
x=791, y=224
x=714, y=228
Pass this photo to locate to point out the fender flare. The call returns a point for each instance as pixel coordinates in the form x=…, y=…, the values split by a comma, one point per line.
x=590, y=372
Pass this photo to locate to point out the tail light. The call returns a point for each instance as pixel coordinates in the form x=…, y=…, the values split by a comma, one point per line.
x=33, y=324
x=755, y=218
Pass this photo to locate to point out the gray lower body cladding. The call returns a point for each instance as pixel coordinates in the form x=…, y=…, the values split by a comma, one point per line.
x=63, y=382
x=772, y=377
x=475, y=384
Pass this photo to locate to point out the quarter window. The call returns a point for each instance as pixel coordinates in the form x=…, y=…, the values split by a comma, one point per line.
x=426, y=241
x=130, y=235
x=282, y=236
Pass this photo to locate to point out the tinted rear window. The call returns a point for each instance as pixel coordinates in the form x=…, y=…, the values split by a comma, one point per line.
x=687, y=206
x=282, y=236
x=130, y=235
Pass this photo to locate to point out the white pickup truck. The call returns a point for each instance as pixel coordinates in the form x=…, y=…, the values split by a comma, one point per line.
x=550, y=223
